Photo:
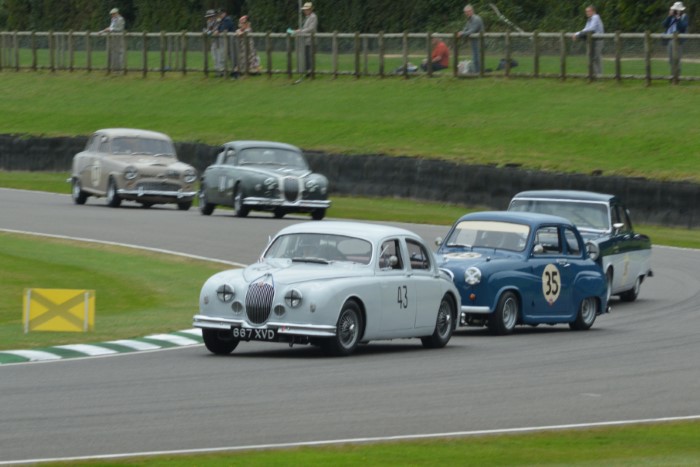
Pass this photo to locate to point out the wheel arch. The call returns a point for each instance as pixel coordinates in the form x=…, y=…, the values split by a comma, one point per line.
x=363, y=311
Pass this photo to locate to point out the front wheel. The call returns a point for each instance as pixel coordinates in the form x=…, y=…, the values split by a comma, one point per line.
x=205, y=207
x=347, y=334
x=505, y=317
x=77, y=193
x=318, y=214
x=219, y=342
x=444, y=326
x=631, y=294
x=585, y=317
x=113, y=199
x=238, y=206
x=185, y=205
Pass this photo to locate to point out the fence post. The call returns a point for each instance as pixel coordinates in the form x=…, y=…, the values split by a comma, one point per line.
x=618, y=57
x=16, y=44
x=144, y=56
x=590, y=52
x=108, y=52
x=34, y=58
x=455, y=61
x=268, y=52
x=562, y=56
x=205, y=46
x=88, y=50
x=405, y=54
x=162, y=45
x=313, y=55
x=289, y=56
x=647, y=57
x=536, y=47
x=675, y=58
x=381, y=54
x=2, y=50
x=334, y=54
x=482, y=54
x=365, y=59
x=508, y=55
x=356, y=46
x=429, y=62
x=184, y=53
x=71, y=51
x=124, y=49
x=52, y=51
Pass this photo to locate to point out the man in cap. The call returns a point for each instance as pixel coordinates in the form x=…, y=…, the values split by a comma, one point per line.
x=675, y=22
x=309, y=27
x=116, y=49
x=594, y=25
x=212, y=30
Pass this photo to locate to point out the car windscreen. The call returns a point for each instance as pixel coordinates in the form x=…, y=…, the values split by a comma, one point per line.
x=320, y=248
x=268, y=156
x=585, y=215
x=131, y=145
x=489, y=234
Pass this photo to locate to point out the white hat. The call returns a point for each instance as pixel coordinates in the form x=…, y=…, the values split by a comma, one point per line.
x=210, y=13
x=308, y=6
x=678, y=6
x=114, y=11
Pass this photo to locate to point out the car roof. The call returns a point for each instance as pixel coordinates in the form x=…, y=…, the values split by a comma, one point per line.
x=367, y=231
x=133, y=132
x=565, y=194
x=529, y=218
x=246, y=144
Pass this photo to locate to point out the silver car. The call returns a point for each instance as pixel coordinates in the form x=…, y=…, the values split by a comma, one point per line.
x=334, y=285
x=136, y=165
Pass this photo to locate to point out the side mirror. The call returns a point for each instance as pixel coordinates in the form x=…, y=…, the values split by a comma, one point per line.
x=538, y=249
x=617, y=227
x=393, y=261
x=438, y=241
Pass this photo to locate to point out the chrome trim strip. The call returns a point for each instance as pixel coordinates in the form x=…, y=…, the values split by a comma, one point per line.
x=482, y=310
x=171, y=194
x=311, y=330
x=302, y=203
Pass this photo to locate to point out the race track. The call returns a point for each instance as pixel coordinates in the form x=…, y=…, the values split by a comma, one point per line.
x=639, y=362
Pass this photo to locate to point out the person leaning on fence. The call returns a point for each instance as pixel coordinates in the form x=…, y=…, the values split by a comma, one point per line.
x=474, y=26
x=116, y=49
x=440, y=56
x=594, y=25
x=309, y=27
x=675, y=22
x=253, y=61
x=211, y=30
x=225, y=25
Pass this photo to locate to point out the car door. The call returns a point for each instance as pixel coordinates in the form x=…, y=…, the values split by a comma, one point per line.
x=552, y=276
x=99, y=166
x=425, y=281
x=630, y=256
x=398, y=294
x=83, y=163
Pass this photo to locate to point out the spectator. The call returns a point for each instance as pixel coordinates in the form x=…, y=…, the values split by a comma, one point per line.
x=224, y=24
x=116, y=43
x=253, y=61
x=211, y=29
x=440, y=56
x=676, y=22
x=594, y=25
x=475, y=25
x=309, y=27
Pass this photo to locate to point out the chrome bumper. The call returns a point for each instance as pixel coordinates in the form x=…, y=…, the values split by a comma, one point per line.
x=164, y=194
x=290, y=329
x=480, y=310
x=302, y=203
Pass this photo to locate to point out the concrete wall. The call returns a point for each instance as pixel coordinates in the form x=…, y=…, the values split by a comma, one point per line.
x=667, y=203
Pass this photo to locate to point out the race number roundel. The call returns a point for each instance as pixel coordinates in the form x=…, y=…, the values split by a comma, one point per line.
x=551, y=283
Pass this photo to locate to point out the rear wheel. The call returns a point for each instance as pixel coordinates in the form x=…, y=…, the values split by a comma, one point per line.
x=205, y=207
x=631, y=294
x=238, y=206
x=185, y=205
x=585, y=317
x=505, y=317
x=444, y=326
x=219, y=342
x=279, y=213
x=77, y=193
x=318, y=214
x=348, y=330
x=113, y=199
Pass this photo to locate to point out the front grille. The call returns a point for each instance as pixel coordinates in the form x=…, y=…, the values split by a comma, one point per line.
x=291, y=188
x=158, y=186
x=258, y=301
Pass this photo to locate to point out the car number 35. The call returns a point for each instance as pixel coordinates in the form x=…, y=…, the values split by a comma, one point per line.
x=551, y=283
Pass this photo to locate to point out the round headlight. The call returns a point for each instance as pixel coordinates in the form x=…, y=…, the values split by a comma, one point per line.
x=225, y=293
x=293, y=298
x=472, y=276
x=190, y=176
x=593, y=250
x=131, y=173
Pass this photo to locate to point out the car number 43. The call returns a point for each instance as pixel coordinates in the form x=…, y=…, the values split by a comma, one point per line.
x=247, y=334
x=402, y=296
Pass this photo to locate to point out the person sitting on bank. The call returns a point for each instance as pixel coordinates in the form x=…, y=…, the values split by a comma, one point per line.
x=440, y=56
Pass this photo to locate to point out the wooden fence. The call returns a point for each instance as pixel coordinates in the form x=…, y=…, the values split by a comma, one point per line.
x=642, y=56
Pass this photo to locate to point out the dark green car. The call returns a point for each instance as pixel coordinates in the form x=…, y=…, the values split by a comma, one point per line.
x=263, y=176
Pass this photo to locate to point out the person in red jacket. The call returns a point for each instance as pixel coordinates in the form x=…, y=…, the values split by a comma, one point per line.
x=440, y=56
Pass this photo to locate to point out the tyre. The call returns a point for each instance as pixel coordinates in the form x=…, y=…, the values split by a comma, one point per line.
x=585, y=317
x=146, y=205
x=279, y=213
x=631, y=294
x=77, y=193
x=205, y=207
x=240, y=209
x=505, y=317
x=184, y=206
x=348, y=331
x=218, y=341
x=113, y=199
x=609, y=281
x=318, y=214
x=444, y=326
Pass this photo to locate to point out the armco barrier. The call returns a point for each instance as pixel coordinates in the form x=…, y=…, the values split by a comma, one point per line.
x=651, y=201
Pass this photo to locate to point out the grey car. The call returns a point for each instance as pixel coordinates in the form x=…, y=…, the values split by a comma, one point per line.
x=135, y=165
x=263, y=176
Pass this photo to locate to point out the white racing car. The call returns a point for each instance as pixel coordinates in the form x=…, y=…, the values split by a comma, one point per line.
x=335, y=285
